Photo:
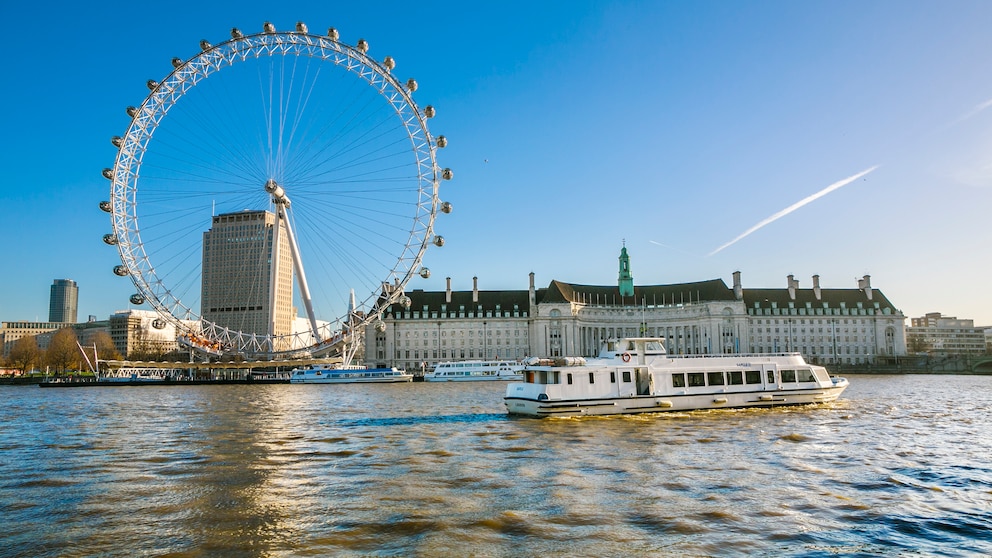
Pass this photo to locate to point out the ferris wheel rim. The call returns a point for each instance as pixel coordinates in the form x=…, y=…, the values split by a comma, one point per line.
x=146, y=118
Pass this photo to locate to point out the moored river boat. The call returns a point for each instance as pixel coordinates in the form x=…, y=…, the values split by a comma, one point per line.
x=475, y=370
x=353, y=374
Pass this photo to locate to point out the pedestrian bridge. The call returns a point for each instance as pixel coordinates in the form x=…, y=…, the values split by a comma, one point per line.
x=982, y=364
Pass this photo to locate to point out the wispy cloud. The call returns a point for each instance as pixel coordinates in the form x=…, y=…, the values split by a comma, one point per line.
x=795, y=206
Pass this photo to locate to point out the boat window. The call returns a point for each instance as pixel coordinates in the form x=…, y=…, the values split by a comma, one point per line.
x=696, y=379
x=613, y=377
x=735, y=377
x=678, y=380
x=771, y=376
x=805, y=375
x=592, y=378
x=715, y=378
x=653, y=346
x=568, y=377
x=626, y=376
x=788, y=375
x=630, y=346
x=752, y=376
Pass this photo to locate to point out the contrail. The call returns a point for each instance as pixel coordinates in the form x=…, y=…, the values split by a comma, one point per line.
x=977, y=109
x=796, y=206
x=656, y=243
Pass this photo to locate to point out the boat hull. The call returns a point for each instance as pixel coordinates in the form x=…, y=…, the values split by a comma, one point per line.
x=480, y=378
x=527, y=406
x=355, y=380
x=350, y=376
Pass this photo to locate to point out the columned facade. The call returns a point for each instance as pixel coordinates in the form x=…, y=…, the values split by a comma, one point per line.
x=574, y=320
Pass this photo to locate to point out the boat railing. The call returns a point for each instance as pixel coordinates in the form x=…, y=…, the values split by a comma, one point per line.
x=555, y=361
x=735, y=355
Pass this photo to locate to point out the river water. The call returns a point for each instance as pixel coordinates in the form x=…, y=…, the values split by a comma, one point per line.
x=899, y=466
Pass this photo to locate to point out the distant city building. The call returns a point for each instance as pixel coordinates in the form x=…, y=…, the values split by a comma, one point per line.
x=247, y=282
x=947, y=335
x=64, y=302
x=10, y=332
x=847, y=326
x=141, y=333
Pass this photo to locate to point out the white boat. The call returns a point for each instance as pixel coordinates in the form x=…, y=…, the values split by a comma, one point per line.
x=353, y=374
x=636, y=375
x=135, y=375
x=475, y=370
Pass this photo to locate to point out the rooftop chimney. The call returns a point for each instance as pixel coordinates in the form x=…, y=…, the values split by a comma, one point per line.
x=865, y=285
x=793, y=285
x=475, y=289
x=531, y=294
x=738, y=290
x=816, y=287
x=447, y=293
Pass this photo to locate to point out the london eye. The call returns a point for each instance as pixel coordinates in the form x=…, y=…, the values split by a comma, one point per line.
x=275, y=192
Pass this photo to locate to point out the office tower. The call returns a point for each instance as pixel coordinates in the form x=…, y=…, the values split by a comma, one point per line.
x=247, y=282
x=64, y=302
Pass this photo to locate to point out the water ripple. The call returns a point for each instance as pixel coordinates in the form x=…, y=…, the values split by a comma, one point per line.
x=899, y=466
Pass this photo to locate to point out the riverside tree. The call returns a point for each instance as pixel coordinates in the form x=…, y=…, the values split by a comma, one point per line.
x=104, y=346
x=25, y=354
x=63, y=351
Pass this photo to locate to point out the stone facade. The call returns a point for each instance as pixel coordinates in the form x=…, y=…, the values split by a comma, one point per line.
x=843, y=326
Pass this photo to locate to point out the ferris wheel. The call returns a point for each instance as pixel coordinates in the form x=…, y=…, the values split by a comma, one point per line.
x=288, y=196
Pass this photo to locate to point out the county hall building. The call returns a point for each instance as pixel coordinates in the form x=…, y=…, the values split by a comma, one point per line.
x=828, y=326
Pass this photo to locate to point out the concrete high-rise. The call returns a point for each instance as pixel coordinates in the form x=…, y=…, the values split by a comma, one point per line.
x=247, y=282
x=64, y=303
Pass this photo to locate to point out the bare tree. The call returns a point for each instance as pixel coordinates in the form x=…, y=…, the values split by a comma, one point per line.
x=25, y=354
x=144, y=348
x=918, y=344
x=63, y=352
x=104, y=346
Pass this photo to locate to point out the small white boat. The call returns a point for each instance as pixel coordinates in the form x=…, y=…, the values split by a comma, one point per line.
x=135, y=375
x=636, y=375
x=475, y=370
x=353, y=374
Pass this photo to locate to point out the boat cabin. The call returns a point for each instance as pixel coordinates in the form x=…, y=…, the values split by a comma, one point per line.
x=636, y=375
x=640, y=366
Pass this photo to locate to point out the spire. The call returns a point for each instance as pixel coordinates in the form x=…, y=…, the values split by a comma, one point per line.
x=626, y=280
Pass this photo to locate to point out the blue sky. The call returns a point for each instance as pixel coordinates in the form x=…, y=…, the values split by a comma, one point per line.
x=575, y=126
